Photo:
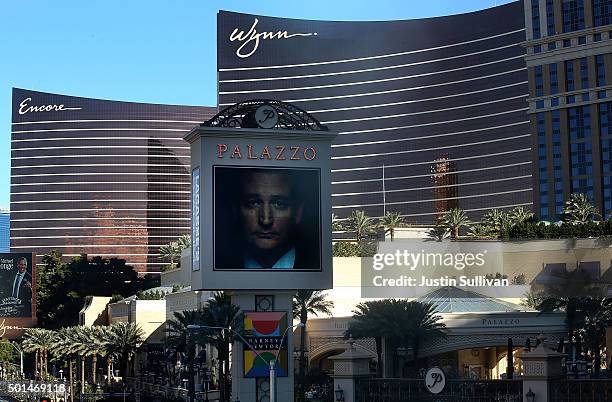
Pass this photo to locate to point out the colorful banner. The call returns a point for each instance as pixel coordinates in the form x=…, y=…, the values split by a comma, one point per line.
x=264, y=332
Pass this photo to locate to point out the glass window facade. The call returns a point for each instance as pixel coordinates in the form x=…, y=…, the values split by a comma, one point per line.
x=535, y=18
x=573, y=15
x=602, y=12
x=550, y=17
x=557, y=161
x=5, y=225
x=601, y=70
x=542, y=165
x=584, y=73
x=539, y=80
x=569, y=75
x=605, y=127
x=581, y=150
x=553, y=76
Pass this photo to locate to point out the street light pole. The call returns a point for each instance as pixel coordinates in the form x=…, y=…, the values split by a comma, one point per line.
x=20, y=350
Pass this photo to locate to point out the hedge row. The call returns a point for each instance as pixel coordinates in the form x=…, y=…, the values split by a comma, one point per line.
x=540, y=230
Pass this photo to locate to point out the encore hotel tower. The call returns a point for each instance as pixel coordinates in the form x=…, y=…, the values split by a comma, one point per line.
x=100, y=177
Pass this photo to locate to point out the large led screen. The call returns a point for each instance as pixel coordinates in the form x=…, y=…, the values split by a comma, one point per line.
x=267, y=218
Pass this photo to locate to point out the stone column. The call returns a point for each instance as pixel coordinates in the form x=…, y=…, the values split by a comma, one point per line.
x=539, y=366
x=348, y=367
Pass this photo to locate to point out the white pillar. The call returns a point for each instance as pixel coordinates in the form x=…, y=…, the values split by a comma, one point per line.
x=539, y=366
x=348, y=367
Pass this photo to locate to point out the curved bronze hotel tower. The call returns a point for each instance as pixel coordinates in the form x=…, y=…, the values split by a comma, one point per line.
x=99, y=177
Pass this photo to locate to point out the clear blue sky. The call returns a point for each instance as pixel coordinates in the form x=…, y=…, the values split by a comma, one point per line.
x=148, y=51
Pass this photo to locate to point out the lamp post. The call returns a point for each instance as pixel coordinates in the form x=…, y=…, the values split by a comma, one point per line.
x=20, y=350
x=271, y=363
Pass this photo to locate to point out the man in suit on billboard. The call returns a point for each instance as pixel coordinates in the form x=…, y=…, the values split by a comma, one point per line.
x=22, y=281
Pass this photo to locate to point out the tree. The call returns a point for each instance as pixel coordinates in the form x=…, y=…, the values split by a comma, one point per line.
x=521, y=215
x=183, y=242
x=400, y=322
x=481, y=232
x=63, y=287
x=219, y=311
x=123, y=342
x=184, y=341
x=579, y=209
x=308, y=302
x=361, y=224
x=369, y=322
x=438, y=233
x=597, y=315
x=170, y=252
x=66, y=346
x=39, y=341
x=421, y=323
x=497, y=222
x=391, y=221
x=454, y=220
x=336, y=223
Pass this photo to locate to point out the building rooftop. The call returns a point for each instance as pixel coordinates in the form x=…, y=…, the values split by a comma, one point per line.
x=454, y=300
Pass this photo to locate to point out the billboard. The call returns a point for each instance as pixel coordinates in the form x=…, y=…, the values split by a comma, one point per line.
x=264, y=201
x=264, y=331
x=17, y=293
x=269, y=218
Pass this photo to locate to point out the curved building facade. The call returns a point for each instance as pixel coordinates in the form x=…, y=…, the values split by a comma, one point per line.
x=414, y=101
x=99, y=177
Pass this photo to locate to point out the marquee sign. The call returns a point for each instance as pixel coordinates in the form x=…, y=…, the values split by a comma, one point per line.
x=264, y=199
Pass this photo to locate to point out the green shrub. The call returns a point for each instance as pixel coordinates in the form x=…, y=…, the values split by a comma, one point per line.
x=352, y=249
x=566, y=230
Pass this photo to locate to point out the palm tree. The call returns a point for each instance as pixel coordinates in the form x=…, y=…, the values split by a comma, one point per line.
x=369, y=322
x=497, y=222
x=481, y=232
x=183, y=242
x=391, y=221
x=579, y=209
x=454, y=220
x=399, y=322
x=361, y=224
x=170, y=252
x=438, y=233
x=39, y=341
x=183, y=341
x=124, y=340
x=336, y=223
x=66, y=347
x=307, y=302
x=520, y=215
x=220, y=312
x=597, y=314
x=421, y=323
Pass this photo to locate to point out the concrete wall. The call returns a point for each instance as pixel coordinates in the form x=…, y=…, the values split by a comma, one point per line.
x=150, y=315
x=94, y=311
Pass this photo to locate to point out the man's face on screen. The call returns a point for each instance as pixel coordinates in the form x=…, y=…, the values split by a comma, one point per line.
x=267, y=211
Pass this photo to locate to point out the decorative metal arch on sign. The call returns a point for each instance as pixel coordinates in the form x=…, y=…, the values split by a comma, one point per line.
x=276, y=115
